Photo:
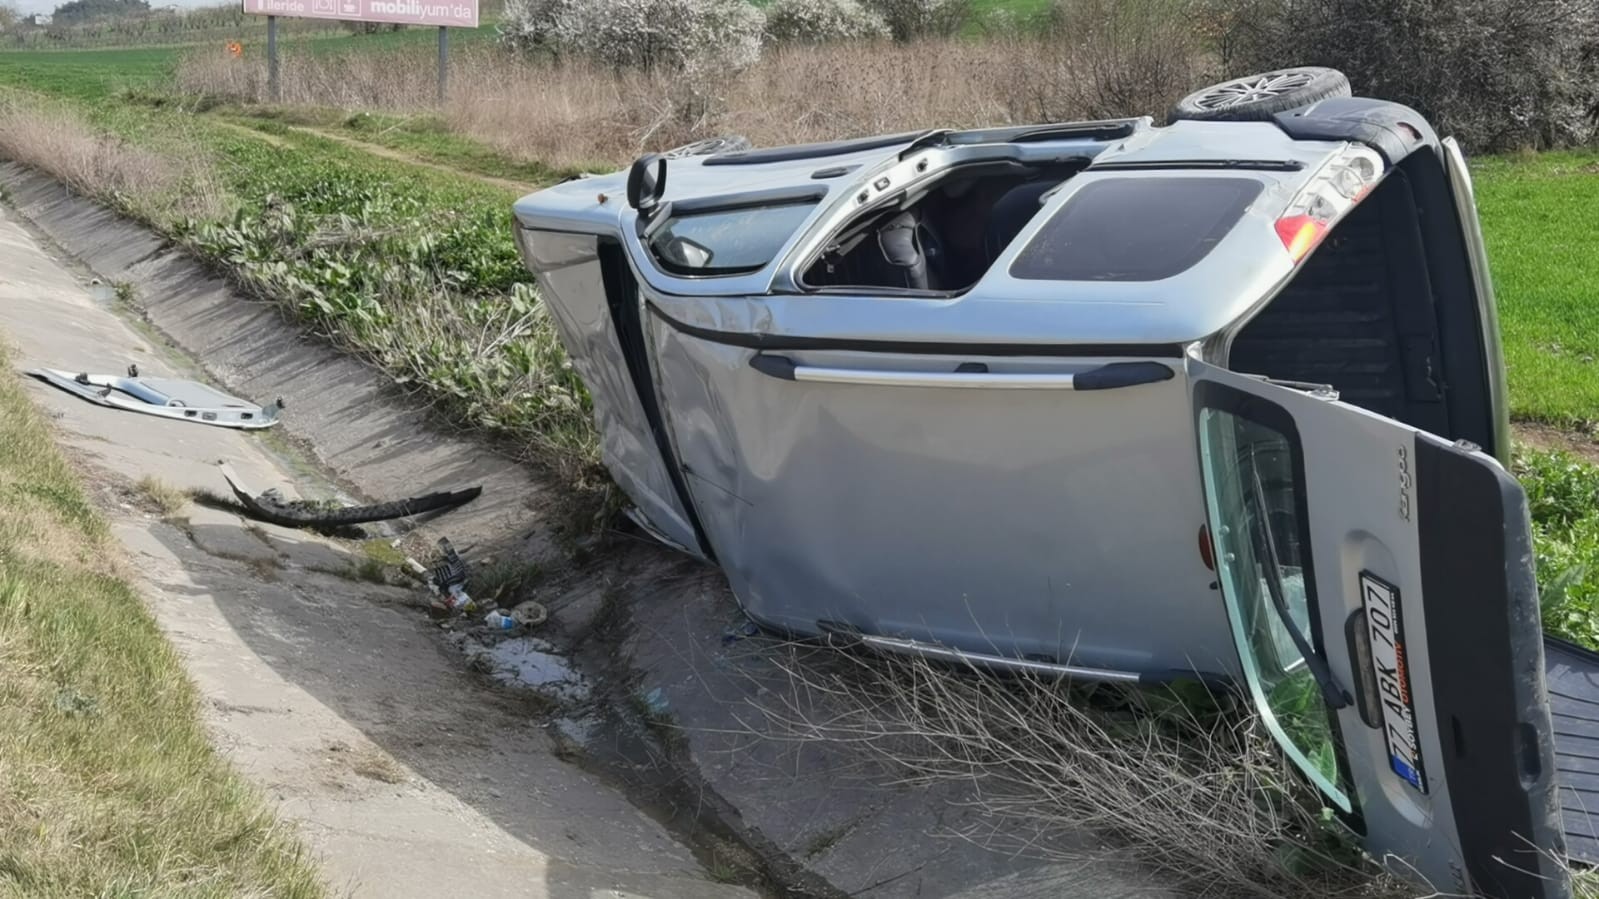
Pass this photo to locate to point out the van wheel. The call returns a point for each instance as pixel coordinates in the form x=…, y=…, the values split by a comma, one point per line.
x=1257, y=98
x=732, y=143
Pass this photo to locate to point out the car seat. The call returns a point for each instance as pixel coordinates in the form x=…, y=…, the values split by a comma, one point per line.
x=1011, y=213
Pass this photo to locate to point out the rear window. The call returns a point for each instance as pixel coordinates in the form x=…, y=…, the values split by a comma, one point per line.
x=727, y=241
x=1135, y=229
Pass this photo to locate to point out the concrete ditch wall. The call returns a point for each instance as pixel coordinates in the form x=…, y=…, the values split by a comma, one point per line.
x=346, y=414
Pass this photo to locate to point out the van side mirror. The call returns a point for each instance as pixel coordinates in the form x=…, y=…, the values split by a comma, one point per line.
x=646, y=182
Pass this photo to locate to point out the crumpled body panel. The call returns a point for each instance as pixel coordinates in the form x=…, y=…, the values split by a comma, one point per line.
x=996, y=522
x=570, y=276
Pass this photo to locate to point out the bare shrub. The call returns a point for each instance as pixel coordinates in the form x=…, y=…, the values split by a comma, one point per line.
x=1202, y=797
x=819, y=21
x=1109, y=58
x=1498, y=74
x=374, y=79
x=578, y=113
x=911, y=20
x=160, y=186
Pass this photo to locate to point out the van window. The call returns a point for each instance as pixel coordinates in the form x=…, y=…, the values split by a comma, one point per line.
x=1252, y=484
x=1135, y=229
x=727, y=241
x=945, y=235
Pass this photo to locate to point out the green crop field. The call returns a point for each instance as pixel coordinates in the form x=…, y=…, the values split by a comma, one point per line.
x=1540, y=218
x=86, y=74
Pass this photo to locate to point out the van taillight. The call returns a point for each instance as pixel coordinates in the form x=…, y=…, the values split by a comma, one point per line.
x=1332, y=192
x=1300, y=233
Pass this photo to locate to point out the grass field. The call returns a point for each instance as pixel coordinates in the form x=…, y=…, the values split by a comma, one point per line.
x=1540, y=217
x=108, y=783
x=86, y=74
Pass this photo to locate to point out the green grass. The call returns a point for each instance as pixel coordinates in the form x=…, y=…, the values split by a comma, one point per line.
x=101, y=73
x=1540, y=218
x=108, y=783
x=86, y=74
x=1017, y=10
x=422, y=137
x=1563, y=499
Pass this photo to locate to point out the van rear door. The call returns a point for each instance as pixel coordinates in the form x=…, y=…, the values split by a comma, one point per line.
x=1380, y=588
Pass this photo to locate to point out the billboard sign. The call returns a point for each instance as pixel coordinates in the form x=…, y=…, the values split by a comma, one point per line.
x=441, y=13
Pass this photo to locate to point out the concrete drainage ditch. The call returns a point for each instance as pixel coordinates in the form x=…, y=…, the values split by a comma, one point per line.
x=641, y=680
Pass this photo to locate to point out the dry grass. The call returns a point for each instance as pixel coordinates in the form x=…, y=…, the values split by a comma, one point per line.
x=375, y=764
x=108, y=784
x=574, y=114
x=164, y=186
x=165, y=498
x=1202, y=798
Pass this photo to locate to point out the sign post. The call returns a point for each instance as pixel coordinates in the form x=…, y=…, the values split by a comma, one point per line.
x=272, y=60
x=444, y=62
x=445, y=14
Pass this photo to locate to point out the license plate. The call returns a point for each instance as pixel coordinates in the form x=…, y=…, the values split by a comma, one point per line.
x=1388, y=663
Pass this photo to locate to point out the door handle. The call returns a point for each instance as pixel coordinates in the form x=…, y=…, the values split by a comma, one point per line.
x=1109, y=376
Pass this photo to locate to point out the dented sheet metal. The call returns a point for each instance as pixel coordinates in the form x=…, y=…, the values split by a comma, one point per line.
x=818, y=496
x=605, y=341
x=173, y=398
x=271, y=506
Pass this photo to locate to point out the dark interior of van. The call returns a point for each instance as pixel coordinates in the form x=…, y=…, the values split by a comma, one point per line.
x=1385, y=312
x=942, y=237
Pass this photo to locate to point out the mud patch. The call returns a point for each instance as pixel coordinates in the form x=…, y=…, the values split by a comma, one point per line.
x=1547, y=437
x=526, y=662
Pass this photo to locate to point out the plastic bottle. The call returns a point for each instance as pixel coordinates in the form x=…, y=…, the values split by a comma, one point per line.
x=499, y=621
x=455, y=599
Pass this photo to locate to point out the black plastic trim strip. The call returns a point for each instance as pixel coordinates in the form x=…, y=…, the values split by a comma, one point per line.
x=775, y=196
x=1114, y=375
x=1108, y=129
x=812, y=151
x=779, y=367
x=1486, y=667
x=1392, y=129
x=916, y=347
x=622, y=299
x=1109, y=376
x=1259, y=165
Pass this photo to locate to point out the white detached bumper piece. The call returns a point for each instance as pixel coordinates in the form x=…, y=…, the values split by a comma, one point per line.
x=163, y=397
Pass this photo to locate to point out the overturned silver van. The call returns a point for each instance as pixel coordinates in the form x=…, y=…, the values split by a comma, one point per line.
x=1218, y=399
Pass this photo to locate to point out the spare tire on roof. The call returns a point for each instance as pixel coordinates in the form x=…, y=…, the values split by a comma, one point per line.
x=1256, y=98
